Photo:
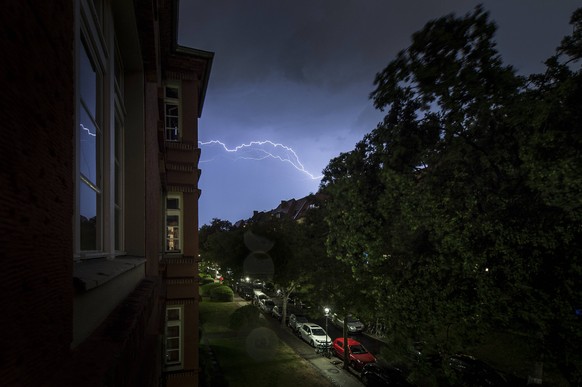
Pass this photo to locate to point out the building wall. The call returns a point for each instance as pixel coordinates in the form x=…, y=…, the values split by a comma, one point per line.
x=50, y=330
x=36, y=188
x=152, y=183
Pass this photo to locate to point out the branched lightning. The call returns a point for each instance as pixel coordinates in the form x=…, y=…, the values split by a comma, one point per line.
x=260, y=150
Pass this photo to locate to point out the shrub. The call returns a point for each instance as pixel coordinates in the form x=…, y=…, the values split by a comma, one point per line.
x=206, y=288
x=204, y=281
x=221, y=293
x=243, y=317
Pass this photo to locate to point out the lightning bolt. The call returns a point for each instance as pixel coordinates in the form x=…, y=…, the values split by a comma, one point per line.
x=260, y=150
x=88, y=131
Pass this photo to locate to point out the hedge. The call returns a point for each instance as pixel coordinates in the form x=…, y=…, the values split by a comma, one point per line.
x=206, y=288
x=221, y=293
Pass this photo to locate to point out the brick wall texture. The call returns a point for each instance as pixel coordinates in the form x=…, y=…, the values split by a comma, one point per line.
x=36, y=188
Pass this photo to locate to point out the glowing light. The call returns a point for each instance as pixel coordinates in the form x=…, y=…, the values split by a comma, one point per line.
x=260, y=150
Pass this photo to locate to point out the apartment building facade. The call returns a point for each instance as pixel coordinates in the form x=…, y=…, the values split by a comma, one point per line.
x=99, y=194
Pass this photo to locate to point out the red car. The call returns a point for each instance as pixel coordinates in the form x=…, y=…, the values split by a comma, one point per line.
x=358, y=355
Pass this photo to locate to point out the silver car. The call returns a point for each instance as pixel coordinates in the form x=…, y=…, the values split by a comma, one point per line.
x=314, y=335
x=354, y=325
x=296, y=321
x=266, y=305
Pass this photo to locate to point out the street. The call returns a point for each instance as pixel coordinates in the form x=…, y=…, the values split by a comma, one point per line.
x=331, y=368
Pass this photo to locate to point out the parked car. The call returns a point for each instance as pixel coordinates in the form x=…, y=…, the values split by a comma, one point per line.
x=258, y=297
x=296, y=321
x=354, y=325
x=277, y=312
x=268, y=287
x=470, y=371
x=247, y=293
x=358, y=355
x=266, y=305
x=257, y=284
x=381, y=374
x=314, y=335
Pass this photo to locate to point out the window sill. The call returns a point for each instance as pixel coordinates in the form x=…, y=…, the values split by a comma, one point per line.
x=92, y=273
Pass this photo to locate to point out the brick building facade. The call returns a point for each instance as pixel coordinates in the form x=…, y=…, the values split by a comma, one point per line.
x=99, y=194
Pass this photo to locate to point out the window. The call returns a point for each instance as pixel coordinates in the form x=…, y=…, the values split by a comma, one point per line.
x=172, y=110
x=173, y=223
x=89, y=152
x=174, y=327
x=100, y=138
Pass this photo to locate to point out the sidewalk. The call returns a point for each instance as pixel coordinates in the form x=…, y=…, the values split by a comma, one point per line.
x=332, y=368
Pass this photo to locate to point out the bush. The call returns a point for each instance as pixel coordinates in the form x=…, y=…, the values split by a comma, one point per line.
x=221, y=293
x=244, y=317
x=205, y=280
x=207, y=288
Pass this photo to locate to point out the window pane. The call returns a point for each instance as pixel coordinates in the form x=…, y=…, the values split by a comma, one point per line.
x=88, y=83
x=173, y=356
x=173, y=220
x=89, y=223
x=173, y=314
x=172, y=240
x=173, y=343
x=171, y=110
x=172, y=135
x=173, y=331
x=172, y=122
x=172, y=132
x=173, y=204
x=89, y=148
x=172, y=92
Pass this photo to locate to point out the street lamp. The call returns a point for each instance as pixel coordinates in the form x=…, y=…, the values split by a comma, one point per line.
x=326, y=310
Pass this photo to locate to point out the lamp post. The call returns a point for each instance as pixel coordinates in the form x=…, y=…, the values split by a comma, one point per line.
x=326, y=310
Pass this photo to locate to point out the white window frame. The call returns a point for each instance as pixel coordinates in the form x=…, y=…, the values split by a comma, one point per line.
x=172, y=133
x=96, y=36
x=168, y=241
x=179, y=364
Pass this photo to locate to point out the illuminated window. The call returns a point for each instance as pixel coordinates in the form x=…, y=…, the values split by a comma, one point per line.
x=172, y=112
x=173, y=223
x=174, y=327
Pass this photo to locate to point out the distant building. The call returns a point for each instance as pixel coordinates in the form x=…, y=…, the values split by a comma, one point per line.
x=99, y=195
x=293, y=209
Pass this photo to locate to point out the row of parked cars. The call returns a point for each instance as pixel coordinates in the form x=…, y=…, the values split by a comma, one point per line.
x=316, y=336
x=469, y=371
x=372, y=373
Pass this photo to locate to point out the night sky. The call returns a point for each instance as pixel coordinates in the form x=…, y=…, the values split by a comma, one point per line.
x=290, y=82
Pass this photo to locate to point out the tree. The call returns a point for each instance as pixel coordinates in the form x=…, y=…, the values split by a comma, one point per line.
x=463, y=205
x=222, y=244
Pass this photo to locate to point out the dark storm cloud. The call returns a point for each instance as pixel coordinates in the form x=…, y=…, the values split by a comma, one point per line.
x=300, y=73
x=330, y=43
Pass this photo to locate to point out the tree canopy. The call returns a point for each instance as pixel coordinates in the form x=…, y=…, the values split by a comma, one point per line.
x=463, y=207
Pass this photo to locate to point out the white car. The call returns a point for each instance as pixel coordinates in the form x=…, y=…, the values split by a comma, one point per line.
x=314, y=335
x=354, y=325
x=258, y=297
x=266, y=305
